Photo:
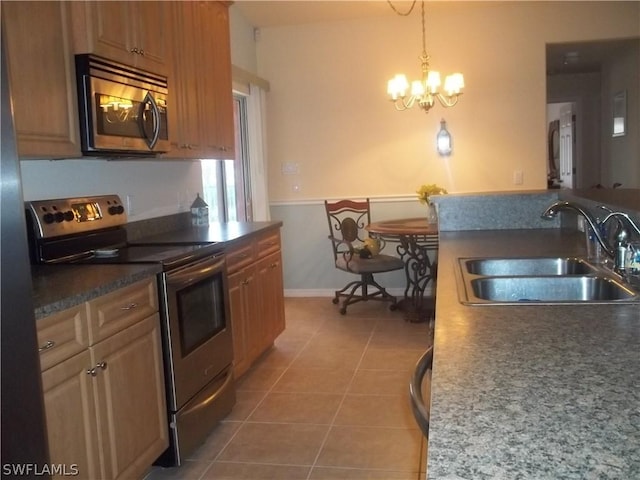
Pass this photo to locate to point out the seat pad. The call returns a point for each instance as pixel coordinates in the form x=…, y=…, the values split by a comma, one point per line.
x=378, y=263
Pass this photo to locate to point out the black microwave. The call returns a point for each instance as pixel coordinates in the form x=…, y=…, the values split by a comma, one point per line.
x=123, y=110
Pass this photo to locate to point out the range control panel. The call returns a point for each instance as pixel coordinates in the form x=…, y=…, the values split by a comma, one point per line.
x=67, y=216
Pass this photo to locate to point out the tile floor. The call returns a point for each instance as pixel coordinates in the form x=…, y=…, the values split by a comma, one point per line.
x=329, y=401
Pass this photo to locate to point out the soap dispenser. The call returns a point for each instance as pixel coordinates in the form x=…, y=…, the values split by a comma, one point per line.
x=199, y=212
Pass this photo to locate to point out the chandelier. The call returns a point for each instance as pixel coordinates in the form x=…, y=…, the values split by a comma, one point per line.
x=424, y=91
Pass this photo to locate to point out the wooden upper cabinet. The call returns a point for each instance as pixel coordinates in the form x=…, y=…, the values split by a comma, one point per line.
x=220, y=136
x=132, y=33
x=201, y=125
x=42, y=76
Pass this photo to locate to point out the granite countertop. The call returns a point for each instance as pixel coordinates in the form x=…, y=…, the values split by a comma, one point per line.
x=58, y=287
x=532, y=391
x=226, y=232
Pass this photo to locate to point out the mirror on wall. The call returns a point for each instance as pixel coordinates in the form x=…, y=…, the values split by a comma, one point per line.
x=584, y=85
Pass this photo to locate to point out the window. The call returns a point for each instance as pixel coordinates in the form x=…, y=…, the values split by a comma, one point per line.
x=226, y=187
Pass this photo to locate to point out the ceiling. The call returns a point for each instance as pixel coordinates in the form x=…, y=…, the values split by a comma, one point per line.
x=281, y=13
x=577, y=57
x=582, y=57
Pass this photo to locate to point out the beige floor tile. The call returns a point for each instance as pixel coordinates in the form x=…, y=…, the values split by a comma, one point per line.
x=216, y=441
x=272, y=443
x=393, y=449
x=376, y=410
x=314, y=380
x=246, y=402
x=330, y=473
x=316, y=408
x=259, y=378
x=390, y=359
x=381, y=382
x=251, y=471
x=331, y=358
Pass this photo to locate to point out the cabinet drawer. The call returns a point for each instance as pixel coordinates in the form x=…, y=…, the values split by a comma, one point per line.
x=62, y=335
x=239, y=257
x=118, y=310
x=268, y=244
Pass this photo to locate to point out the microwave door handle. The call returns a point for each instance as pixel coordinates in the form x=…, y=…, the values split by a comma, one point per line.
x=155, y=116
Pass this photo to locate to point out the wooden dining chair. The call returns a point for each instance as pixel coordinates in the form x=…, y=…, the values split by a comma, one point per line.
x=347, y=221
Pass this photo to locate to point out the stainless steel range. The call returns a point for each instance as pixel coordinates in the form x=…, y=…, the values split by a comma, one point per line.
x=193, y=291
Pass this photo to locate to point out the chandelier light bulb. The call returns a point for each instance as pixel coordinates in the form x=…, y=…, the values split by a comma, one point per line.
x=427, y=89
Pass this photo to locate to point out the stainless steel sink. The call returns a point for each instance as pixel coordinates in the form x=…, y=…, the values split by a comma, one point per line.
x=539, y=281
x=528, y=266
x=567, y=289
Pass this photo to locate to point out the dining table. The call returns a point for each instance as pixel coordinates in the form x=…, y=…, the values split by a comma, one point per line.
x=417, y=246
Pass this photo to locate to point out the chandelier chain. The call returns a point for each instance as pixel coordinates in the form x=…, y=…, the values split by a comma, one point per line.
x=401, y=13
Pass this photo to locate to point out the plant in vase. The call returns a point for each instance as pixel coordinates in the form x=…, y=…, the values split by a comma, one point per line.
x=424, y=195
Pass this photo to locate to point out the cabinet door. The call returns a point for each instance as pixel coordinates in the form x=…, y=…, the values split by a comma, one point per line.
x=150, y=23
x=128, y=32
x=132, y=415
x=42, y=75
x=217, y=90
x=103, y=28
x=270, y=285
x=184, y=117
x=238, y=310
x=245, y=316
x=69, y=405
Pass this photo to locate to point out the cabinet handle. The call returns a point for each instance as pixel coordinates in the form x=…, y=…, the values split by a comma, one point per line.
x=47, y=346
x=245, y=282
x=131, y=306
x=141, y=52
x=273, y=265
x=94, y=371
x=134, y=50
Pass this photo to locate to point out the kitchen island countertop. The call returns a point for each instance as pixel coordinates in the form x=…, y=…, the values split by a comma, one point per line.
x=531, y=391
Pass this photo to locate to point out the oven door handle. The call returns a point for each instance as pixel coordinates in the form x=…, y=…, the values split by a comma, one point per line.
x=195, y=272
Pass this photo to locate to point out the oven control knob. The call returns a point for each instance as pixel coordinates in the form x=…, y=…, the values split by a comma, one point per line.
x=68, y=216
x=59, y=217
x=48, y=218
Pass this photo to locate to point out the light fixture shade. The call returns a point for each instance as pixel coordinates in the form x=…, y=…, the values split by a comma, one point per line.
x=433, y=81
x=417, y=88
x=454, y=84
x=398, y=86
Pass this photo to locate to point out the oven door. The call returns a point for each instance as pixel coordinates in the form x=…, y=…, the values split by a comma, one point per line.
x=199, y=341
x=120, y=117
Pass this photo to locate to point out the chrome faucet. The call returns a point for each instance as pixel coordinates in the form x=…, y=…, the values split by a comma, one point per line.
x=553, y=209
x=616, y=252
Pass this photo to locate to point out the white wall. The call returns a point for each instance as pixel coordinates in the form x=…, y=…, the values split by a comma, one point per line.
x=328, y=112
x=157, y=188
x=621, y=155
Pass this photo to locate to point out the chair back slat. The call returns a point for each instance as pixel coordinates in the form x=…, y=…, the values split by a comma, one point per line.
x=347, y=220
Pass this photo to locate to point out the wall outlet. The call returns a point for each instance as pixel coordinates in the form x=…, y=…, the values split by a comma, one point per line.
x=517, y=177
x=130, y=210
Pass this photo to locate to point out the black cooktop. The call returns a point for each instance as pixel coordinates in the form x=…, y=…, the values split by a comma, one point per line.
x=168, y=256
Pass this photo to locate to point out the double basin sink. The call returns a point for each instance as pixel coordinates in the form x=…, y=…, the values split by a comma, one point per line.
x=539, y=280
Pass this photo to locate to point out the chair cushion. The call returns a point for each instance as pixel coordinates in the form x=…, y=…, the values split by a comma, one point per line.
x=379, y=263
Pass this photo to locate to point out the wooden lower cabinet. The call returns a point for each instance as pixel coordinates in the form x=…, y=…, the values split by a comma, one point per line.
x=257, y=298
x=105, y=406
x=70, y=408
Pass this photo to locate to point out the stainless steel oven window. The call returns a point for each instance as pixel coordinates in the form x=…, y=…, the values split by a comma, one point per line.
x=201, y=312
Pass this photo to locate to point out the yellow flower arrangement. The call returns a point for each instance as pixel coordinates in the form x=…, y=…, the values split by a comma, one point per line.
x=425, y=191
